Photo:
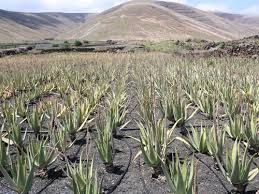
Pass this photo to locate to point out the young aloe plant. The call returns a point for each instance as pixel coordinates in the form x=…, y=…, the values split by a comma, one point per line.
x=7, y=112
x=83, y=178
x=154, y=141
x=206, y=103
x=146, y=100
x=177, y=109
x=197, y=140
x=35, y=120
x=16, y=136
x=3, y=154
x=95, y=94
x=116, y=113
x=216, y=143
x=60, y=140
x=180, y=176
x=70, y=100
x=237, y=169
x=75, y=121
x=105, y=144
x=235, y=128
x=83, y=111
x=20, y=174
x=231, y=101
x=249, y=92
x=21, y=107
x=251, y=132
x=70, y=124
x=42, y=155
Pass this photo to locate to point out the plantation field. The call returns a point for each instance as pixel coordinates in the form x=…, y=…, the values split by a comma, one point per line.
x=141, y=123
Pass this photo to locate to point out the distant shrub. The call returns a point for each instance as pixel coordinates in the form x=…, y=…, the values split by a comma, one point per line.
x=55, y=45
x=111, y=42
x=147, y=49
x=210, y=63
x=78, y=43
x=86, y=41
x=66, y=45
x=203, y=41
x=49, y=39
x=65, y=42
x=222, y=45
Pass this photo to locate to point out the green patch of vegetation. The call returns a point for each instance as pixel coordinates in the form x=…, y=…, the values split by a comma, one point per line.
x=163, y=46
x=55, y=45
x=174, y=45
x=78, y=43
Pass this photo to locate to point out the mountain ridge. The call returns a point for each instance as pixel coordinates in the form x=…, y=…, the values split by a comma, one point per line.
x=134, y=20
x=22, y=26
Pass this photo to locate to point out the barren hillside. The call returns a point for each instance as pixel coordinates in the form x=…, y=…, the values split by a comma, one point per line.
x=15, y=26
x=135, y=20
x=159, y=20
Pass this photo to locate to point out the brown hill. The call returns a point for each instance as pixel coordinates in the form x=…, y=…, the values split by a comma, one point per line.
x=157, y=20
x=16, y=26
x=135, y=20
x=249, y=21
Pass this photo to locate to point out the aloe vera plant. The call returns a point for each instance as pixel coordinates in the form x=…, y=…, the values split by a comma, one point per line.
x=71, y=99
x=146, y=100
x=251, y=132
x=237, y=169
x=70, y=124
x=20, y=174
x=117, y=111
x=16, y=136
x=206, y=103
x=180, y=176
x=21, y=107
x=105, y=144
x=154, y=141
x=249, y=91
x=60, y=140
x=75, y=121
x=231, y=100
x=235, y=128
x=177, y=109
x=35, y=120
x=3, y=154
x=7, y=111
x=83, y=178
x=216, y=143
x=84, y=109
x=42, y=154
x=197, y=140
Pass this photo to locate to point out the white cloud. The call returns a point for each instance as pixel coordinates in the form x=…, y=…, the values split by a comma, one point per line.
x=64, y=5
x=253, y=10
x=84, y=5
x=213, y=7
x=67, y=5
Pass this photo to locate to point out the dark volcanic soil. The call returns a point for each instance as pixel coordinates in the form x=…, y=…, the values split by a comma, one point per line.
x=133, y=176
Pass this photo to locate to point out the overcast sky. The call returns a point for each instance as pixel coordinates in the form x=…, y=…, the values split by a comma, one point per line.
x=236, y=6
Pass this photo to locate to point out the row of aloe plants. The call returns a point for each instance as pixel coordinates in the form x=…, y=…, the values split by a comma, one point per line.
x=168, y=95
x=55, y=124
